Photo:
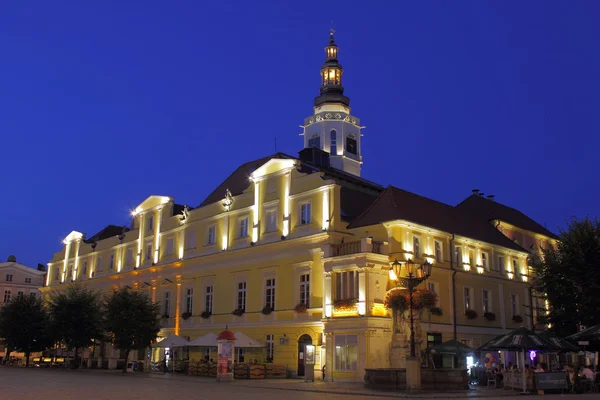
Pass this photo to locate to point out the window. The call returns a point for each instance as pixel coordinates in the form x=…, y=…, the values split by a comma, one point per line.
x=167, y=304
x=351, y=144
x=148, y=251
x=270, y=347
x=189, y=300
x=129, y=257
x=243, y=227
x=211, y=235
x=111, y=262
x=271, y=217
x=27, y=280
x=314, y=141
x=346, y=352
x=19, y=294
x=99, y=264
x=84, y=267
x=471, y=258
x=271, y=187
x=208, y=298
x=333, y=142
x=305, y=290
x=484, y=261
x=500, y=265
x=241, y=298
x=56, y=274
x=515, y=267
x=6, y=296
x=467, y=298
x=485, y=301
x=207, y=354
x=346, y=285
x=458, y=255
x=514, y=304
x=9, y=277
x=439, y=257
x=149, y=223
x=434, y=287
x=170, y=246
x=70, y=272
x=239, y=354
x=416, y=247
x=305, y=213
x=270, y=293
x=190, y=239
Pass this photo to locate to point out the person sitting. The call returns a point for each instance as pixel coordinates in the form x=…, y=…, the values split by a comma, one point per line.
x=528, y=371
x=588, y=373
x=539, y=368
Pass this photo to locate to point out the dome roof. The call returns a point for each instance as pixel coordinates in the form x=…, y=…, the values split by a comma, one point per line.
x=226, y=335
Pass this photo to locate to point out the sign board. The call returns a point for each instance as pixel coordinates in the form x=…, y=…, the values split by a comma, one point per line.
x=222, y=365
x=310, y=354
x=551, y=380
x=583, y=343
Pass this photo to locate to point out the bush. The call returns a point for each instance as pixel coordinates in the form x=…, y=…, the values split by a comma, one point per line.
x=266, y=310
x=301, y=308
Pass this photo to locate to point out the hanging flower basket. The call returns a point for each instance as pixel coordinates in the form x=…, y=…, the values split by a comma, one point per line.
x=238, y=311
x=396, y=300
x=186, y=315
x=345, y=304
x=517, y=318
x=266, y=310
x=300, y=308
x=426, y=299
x=436, y=311
x=490, y=316
x=206, y=314
x=471, y=314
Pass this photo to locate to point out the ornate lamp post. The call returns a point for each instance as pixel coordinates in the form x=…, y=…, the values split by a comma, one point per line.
x=409, y=275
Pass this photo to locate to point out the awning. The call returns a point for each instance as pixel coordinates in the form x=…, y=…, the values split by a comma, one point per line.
x=171, y=341
x=246, y=341
x=208, y=340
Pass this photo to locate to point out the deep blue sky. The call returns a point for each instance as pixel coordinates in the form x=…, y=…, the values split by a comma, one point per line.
x=103, y=105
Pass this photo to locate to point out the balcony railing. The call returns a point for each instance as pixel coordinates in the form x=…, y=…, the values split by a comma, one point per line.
x=365, y=245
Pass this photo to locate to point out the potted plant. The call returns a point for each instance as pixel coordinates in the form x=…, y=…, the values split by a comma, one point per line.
x=206, y=314
x=490, y=316
x=517, y=318
x=266, y=310
x=186, y=315
x=436, y=311
x=471, y=314
x=300, y=308
x=345, y=304
x=238, y=311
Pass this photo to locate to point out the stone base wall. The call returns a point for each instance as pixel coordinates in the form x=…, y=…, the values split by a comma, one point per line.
x=394, y=379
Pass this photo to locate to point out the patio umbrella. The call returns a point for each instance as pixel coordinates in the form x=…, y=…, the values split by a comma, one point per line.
x=592, y=333
x=246, y=341
x=171, y=341
x=452, y=347
x=208, y=340
x=563, y=344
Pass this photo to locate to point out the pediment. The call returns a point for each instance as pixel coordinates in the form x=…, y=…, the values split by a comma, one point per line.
x=272, y=166
x=151, y=202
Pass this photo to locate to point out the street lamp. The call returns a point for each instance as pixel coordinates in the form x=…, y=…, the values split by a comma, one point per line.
x=415, y=274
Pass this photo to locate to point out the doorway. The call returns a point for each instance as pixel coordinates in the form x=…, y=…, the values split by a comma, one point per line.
x=302, y=342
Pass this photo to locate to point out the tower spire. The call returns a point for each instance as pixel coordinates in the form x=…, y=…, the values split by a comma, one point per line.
x=331, y=89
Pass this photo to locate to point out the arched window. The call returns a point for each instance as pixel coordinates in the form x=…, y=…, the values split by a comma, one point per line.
x=333, y=142
x=351, y=144
x=314, y=141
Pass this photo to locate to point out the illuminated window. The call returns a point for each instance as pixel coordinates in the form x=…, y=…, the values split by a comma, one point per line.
x=314, y=141
x=346, y=285
x=467, y=298
x=333, y=142
x=458, y=255
x=270, y=293
x=351, y=144
x=305, y=290
x=243, y=227
x=346, y=352
x=439, y=257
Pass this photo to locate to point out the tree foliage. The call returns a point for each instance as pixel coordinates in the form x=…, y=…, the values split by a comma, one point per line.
x=25, y=325
x=569, y=276
x=76, y=316
x=131, y=320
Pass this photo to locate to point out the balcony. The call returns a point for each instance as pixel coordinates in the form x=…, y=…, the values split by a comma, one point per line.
x=365, y=245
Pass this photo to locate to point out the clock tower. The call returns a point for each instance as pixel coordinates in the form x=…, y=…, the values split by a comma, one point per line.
x=332, y=128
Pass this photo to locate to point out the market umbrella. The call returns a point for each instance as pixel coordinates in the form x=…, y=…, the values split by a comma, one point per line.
x=246, y=341
x=521, y=340
x=208, y=340
x=452, y=347
x=592, y=333
x=171, y=341
x=563, y=344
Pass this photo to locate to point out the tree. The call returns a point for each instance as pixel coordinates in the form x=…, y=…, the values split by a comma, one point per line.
x=25, y=325
x=131, y=320
x=569, y=277
x=76, y=316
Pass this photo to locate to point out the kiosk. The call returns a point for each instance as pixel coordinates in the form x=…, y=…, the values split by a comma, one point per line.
x=225, y=345
x=309, y=363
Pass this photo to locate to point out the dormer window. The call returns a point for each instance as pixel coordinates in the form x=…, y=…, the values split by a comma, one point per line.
x=351, y=144
x=314, y=141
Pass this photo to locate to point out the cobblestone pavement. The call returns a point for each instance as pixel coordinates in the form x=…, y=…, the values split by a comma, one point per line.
x=30, y=384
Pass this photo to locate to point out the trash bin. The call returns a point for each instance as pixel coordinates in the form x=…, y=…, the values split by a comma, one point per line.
x=130, y=366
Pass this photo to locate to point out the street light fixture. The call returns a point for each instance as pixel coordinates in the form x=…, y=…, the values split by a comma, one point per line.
x=415, y=275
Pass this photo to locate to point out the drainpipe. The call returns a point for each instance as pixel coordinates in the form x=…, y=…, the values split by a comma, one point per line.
x=453, y=286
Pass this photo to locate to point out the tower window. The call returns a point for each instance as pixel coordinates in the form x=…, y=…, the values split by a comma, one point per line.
x=351, y=144
x=333, y=142
x=314, y=141
x=332, y=76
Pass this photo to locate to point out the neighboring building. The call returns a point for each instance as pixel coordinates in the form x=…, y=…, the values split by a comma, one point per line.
x=282, y=233
x=18, y=280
